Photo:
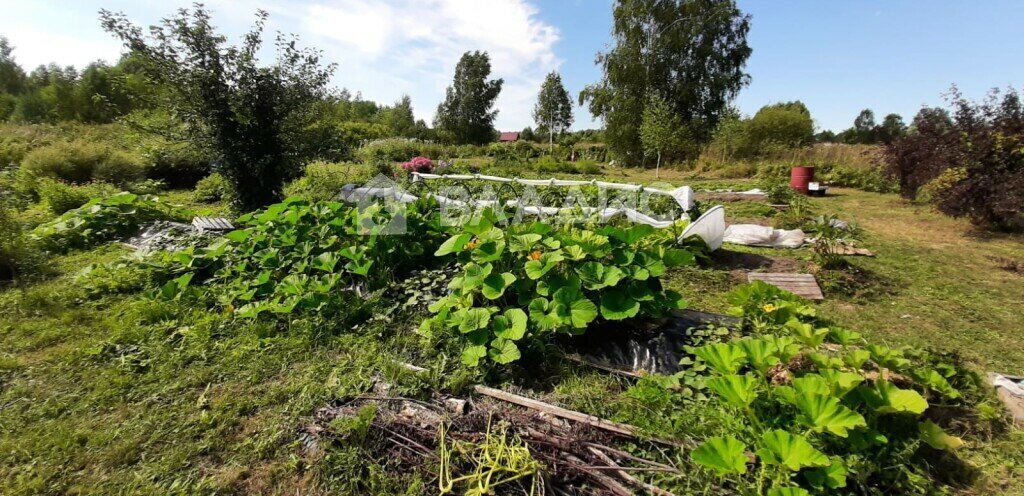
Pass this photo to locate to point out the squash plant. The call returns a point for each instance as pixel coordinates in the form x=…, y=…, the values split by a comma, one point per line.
x=533, y=280
x=104, y=219
x=820, y=406
x=298, y=255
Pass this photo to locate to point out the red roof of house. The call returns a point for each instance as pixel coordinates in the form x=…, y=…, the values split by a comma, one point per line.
x=509, y=136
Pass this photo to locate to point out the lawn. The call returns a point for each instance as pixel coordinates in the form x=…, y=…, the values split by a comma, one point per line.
x=118, y=393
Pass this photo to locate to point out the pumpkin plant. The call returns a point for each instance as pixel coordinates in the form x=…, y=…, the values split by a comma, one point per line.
x=531, y=281
x=819, y=404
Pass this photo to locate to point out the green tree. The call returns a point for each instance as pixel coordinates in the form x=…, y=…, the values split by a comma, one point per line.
x=892, y=128
x=253, y=117
x=690, y=52
x=661, y=130
x=785, y=125
x=12, y=77
x=553, y=110
x=466, y=115
x=864, y=126
x=399, y=119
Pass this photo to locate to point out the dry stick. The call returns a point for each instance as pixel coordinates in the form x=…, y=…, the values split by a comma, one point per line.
x=625, y=475
x=627, y=373
x=426, y=451
x=608, y=482
x=608, y=425
x=630, y=456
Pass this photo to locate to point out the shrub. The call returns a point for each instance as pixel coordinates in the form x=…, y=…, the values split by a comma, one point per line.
x=178, y=165
x=588, y=167
x=937, y=188
x=212, y=188
x=984, y=140
x=103, y=219
x=79, y=162
x=20, y=260
x=59, y=196
x=397, y=150
x=323, y=180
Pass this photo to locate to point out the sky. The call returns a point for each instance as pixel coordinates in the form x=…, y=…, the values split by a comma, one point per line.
x=837, y=56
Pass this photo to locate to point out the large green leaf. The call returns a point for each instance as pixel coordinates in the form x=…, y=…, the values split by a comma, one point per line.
x=843, y=336
x=473, y=275
x=885, y=397
x=934, y=380
x=453, y=244
x=856, y=358
x=617, y=305
x=488, y=252
x=724, y=455
x=825, y=413
x=724, y=358
x=523, y=242
x=736, y=390
x=786, y=345
x=937, y=438
x=788, y=491
x=806, y=333
x=495, y=284
x=650, y=262
x=503, y=351
x=471, y=319
x=580, y=310
x=471, y=355
x=535, y=269
x=841, y=382
x=676, y=257
x=830, y=477
x=792, y=451
x=761, y=354
x=510, y=325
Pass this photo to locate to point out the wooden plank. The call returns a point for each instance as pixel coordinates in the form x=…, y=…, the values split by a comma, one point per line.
x=803, y=285
x=600, y=423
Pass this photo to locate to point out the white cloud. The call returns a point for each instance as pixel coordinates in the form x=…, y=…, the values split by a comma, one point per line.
x=409, y=46
x=34, y=47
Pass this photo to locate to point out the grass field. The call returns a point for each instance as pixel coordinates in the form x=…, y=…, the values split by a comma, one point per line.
x=122, y=394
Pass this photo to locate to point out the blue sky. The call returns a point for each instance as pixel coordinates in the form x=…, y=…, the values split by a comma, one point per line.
x=837, y=56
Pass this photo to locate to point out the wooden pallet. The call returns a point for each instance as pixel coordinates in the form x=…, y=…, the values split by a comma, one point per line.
x=803, y=285
x=212, y=224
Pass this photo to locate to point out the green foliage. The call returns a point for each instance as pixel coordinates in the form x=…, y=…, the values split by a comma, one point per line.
x=323, y=180
x=661, y=130
x=103, y=219
x=651, y=49
x=212, y=188
x=20, y=259
x=553, y=111
x=398, y=150
x=179, y=165
x=78, y=162
x=773, y=128
x=563, y=278
x=466, y=115
x=300, y=256
x=59, y=196
x=252, y=117
x=809, y=413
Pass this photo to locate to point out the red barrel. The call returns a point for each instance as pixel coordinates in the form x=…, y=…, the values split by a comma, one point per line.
x=800, y=177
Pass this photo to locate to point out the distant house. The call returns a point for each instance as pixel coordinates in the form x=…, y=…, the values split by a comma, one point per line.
x=509, y=136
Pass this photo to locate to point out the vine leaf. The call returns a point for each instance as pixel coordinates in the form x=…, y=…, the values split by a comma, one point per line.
x=761, y=354
x=495, y=284
x=472, y=354
x=885, y=397
x=617, y=305
x=724, y=455
x=503, y=351
x=831, y=477
x=724, y=358
x=453, y=244
x=792, y=451
x=511, y=325
x=825, y=413
x=736, y=390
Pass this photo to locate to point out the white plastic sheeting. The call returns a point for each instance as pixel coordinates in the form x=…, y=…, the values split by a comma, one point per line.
x=710, y=226
x=755, y=235
x=683, y=195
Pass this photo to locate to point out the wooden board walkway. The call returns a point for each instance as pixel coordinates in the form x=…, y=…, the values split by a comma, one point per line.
x=803, y=285
x=212, y=224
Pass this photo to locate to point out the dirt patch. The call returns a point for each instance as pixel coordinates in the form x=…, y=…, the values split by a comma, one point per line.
x=735, y=260
x=1008, y=264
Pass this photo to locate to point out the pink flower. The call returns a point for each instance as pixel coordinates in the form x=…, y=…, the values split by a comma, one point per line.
x=418, y=164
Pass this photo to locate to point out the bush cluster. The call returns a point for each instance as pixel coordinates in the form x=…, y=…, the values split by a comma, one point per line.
x=79, y=162
x=983, y=141
x=60, y=196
